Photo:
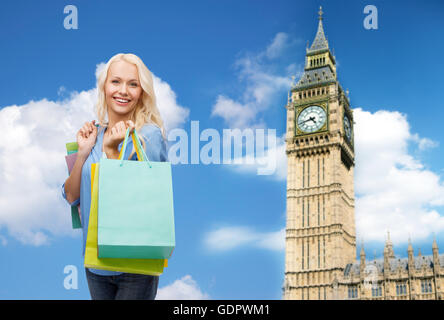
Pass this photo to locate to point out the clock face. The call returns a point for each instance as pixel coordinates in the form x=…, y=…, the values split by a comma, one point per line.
x=347, y=128
x=311, y=119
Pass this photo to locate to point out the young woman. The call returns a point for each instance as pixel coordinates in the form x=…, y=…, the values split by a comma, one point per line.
x=126, y=99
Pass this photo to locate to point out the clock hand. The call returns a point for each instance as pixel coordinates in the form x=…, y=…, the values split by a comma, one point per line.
x=305, y=121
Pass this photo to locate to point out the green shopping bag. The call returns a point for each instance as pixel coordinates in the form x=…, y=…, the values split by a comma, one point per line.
x=140, y=266
x=71, y=149
x=135, y=215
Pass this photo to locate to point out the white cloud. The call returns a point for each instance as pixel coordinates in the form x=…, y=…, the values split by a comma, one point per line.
x=99, y=68
x=173, y=114
x=61, y=91
x=262, y=86
x=237, y=114
x=185, y=288
x=273, y=163
x=228, y=238
x=424, y=143
x=32, y=151
x=278, y=44
x=3, y=240
x=393, y=189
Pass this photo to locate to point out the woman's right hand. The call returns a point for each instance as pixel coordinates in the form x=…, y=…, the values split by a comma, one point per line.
x=86, y=138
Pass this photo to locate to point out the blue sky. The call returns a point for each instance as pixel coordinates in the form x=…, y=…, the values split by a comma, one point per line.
x=207, y=52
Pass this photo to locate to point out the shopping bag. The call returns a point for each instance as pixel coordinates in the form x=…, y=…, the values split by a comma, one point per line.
x=71, y=149
x=140, y=266
x=136, y=215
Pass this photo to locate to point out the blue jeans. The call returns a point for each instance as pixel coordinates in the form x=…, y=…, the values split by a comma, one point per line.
x=126, y=286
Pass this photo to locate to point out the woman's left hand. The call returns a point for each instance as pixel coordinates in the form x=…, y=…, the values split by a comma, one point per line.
x=115, y=135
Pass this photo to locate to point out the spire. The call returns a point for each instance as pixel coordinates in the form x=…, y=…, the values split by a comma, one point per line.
x=436, y=264
x=320, y=41
x=435, y=245
x=362, y=254
x=410, y=247
x=389, y=247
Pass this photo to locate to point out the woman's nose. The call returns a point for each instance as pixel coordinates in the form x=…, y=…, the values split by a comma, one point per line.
x=123, y=89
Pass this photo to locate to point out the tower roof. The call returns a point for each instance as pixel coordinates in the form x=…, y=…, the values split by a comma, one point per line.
x=320, y=73
x=320, y=41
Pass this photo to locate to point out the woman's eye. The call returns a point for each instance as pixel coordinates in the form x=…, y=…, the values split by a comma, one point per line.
x=134, y=84
x=115, y=81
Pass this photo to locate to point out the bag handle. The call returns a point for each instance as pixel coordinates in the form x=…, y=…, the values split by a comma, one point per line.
x=141, y=155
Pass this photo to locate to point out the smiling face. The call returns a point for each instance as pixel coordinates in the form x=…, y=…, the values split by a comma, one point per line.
x=122, y=90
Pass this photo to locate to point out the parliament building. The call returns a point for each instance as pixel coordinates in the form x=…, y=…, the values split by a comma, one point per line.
x=320, y=254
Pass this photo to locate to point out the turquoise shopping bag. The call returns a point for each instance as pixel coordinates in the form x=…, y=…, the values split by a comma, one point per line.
x=135, y=214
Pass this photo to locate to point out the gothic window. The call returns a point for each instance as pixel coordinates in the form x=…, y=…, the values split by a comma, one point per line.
x=308, y=212
x=319, y=213
x=319, y=181
x=303, y=174
x=319, y=254
x=325, y=294
x=401, y=289
x=426, y=286
x=323, y=208
x=352, y=292
x=323, y=248
x=323, y=171
x=308, y=173
x=377, y=292
x=303, y=213
x=303, y=255
x=308, y=254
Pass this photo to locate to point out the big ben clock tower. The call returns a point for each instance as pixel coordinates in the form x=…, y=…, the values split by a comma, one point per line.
x=320, y=230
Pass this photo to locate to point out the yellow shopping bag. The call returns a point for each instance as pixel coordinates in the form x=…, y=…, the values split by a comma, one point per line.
x=141, y=266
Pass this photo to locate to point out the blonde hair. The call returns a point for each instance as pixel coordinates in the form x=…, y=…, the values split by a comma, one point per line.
x=146, y=110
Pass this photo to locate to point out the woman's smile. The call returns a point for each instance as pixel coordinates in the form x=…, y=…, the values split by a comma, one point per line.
x=121, y=101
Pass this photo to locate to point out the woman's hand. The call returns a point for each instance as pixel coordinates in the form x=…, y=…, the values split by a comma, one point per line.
x=86, y=138
x=115, y=135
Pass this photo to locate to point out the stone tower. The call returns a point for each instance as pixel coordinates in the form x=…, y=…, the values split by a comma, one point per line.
x=320, y=230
